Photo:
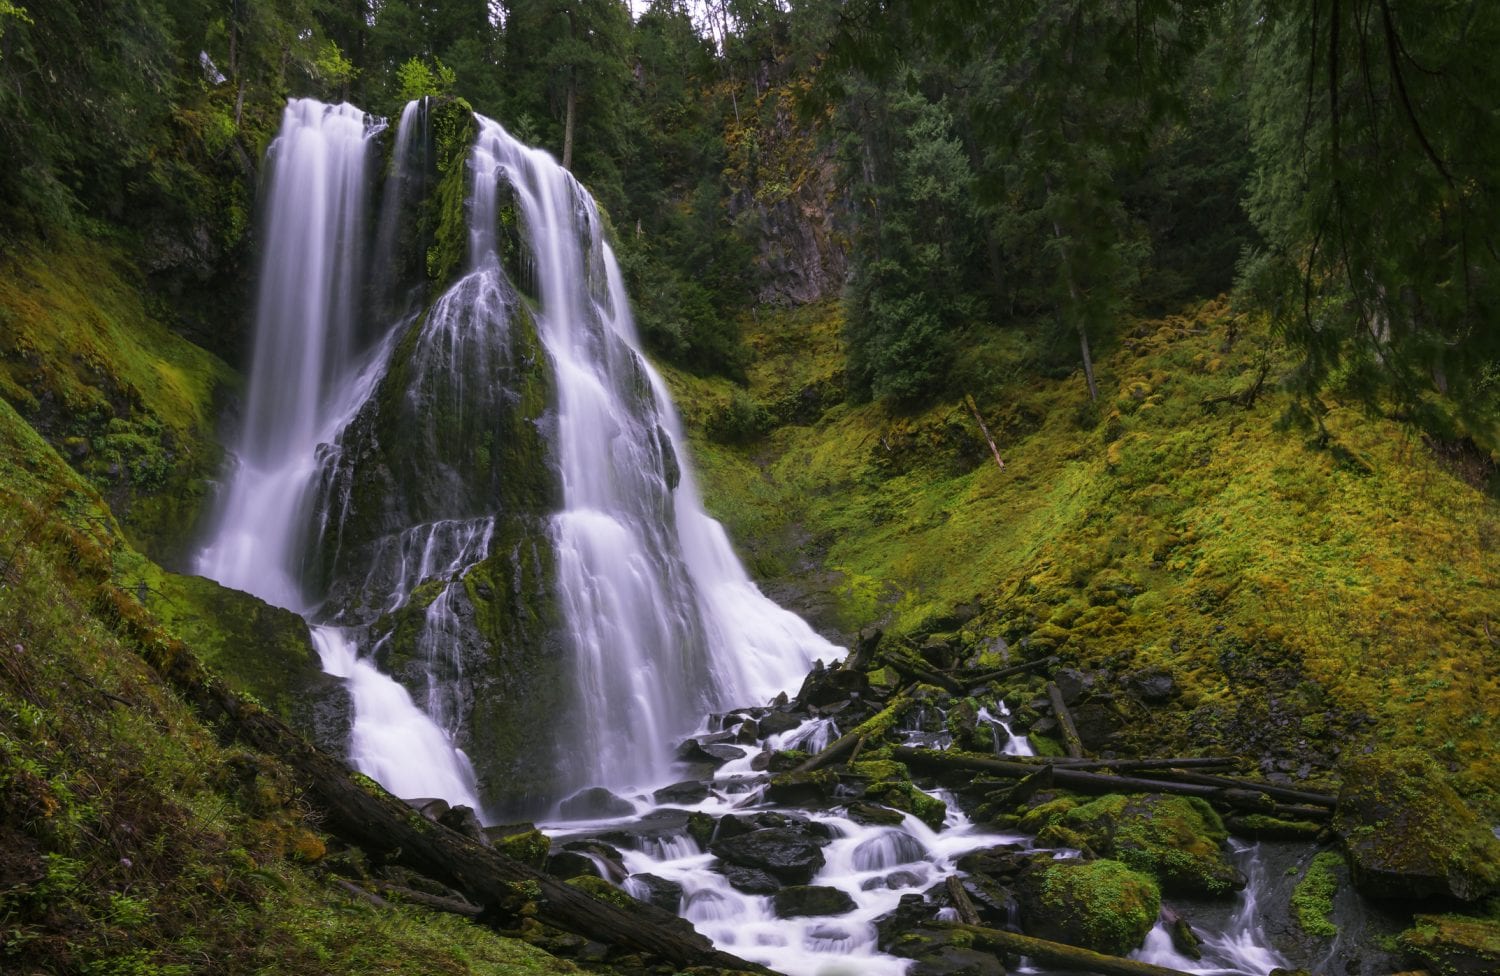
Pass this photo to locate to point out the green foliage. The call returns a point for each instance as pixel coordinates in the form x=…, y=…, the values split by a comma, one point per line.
x=1312, y=901
x=416, y=79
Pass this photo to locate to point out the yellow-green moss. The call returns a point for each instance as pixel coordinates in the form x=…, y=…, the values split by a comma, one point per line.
x=1101, y=905
x=1356, y=574
x=1312, y=901
x=1454, y=945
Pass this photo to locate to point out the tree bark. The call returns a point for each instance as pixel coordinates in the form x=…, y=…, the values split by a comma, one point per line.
x=974, y=409
x=1071, y=741
x=1015, y=669
x=567, y=160
x=1250, y=797
x=1061, y=955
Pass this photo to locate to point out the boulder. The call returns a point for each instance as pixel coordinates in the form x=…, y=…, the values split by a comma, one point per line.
x=465, y=821
x=789, y=855
x=594, y=803
x=1101, y=905
x=1154, y=686
x=894, y=881
x=1178, y=840
x=1408, y=835
x=802, y=789
x=939, y=950
x=688, y=791
x=664, y=894
x=752, y=881
x=1454, y=945
x=801, y=900
x=825, y=686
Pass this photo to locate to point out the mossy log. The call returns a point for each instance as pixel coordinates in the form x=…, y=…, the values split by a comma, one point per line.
x=844, y=744
x=1250, y=797
x=1071, y=741
x=361, y=813
x=1305, y=797
x=1059, y=954
x=985, y=677
x=913, y=671
x=1195, y=762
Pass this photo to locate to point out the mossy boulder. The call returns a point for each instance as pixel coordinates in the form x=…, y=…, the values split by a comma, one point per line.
x=1101, y=905
x=1177, y=840
x=1407, y=834
x=889, y=783
x=259, y=649
x=1454, y=945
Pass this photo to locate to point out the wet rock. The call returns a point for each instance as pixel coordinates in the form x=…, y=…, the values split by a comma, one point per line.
x=1454, y=945
x=1101, y=905
x=784, y=760
x=607, y=860
x=1154, y=686
x=802, y=789
x=571, y=864
x=778, y=721
x=664, y=894
x=732, y=825
x=649, y=832
x=789, y=855
x=428, y=806
x=995, y=903
x=1005, y=861
x=802, y=900
x=1408, y=835
x=912, y=911
x=710, y=752
x=824, y=686
x=594, y=803
x=887, y=849
x=1178, y=840
x=1074, y=685
x=894, y=881
x=752, y=881
x=687, y=792
x=943, y=952
x=462, y=819
x=871, y=814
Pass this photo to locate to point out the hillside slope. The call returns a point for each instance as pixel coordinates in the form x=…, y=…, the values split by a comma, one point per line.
x=1309, y=594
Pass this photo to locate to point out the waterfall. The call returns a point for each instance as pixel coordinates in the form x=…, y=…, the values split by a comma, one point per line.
x=488, y=499
x=663, y=621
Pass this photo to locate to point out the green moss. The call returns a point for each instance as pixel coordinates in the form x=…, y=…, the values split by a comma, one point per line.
x=1312, y=901
x=129, y=404
x=526, y=846
x=1251, y=563
x=1454, y=945
x=1101, y=905
x=602, y=890
x=454, y=130
x=1178, y=840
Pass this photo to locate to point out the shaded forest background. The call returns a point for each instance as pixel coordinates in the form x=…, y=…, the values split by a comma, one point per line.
x=966, y=166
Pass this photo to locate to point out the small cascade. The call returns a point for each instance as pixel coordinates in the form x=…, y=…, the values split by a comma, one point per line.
x=1007, y=743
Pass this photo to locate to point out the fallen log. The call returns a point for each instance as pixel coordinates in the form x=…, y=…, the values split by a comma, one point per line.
x=915, y=672
x=360, y=812
x=987, y=676
x=843, y=744
x=1198, y=762
x=1059, y=954
x=1071, y=741
x=1278, y=792
x=1081, y=781
x=962, y=903
x=452, y=906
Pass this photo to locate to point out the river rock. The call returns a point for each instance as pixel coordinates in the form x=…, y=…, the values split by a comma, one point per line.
x=664, y=894
x=1101, y=905
x=941, y=951
x=826, y=686
x=571, y=864
x=688, y=791
x=1408, y=835
x=1154, y=686
x=789, y=855
x=801, y=900
x=1178, y=840
x=1454, y=945
x=894, y=881
x=464, y=820
x=752, y=881
x=610, y=865
x=802, y=789
x=594, y=803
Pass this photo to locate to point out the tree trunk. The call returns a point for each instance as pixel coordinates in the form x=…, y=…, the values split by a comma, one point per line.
x=567, y=159
x=1071, y=741
x=1061, y=955
x=363, y=814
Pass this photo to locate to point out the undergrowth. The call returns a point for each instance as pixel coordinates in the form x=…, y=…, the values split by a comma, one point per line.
x=1308, y=587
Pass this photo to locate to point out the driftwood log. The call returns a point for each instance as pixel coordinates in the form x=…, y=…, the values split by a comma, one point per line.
x=1245, y=797
x=361, y=813
x=985, y=677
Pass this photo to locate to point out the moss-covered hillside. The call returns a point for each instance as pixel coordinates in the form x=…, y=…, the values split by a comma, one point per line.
x=1310, y=592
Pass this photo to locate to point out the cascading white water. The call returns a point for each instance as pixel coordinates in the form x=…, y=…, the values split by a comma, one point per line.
x=307, y=379
x=663, y=620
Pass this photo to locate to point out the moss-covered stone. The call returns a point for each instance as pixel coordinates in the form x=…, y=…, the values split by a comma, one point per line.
x=1454, y=945
x=1408, y=835
x=1178, y=840
x=890, y=783
x=1101, y=905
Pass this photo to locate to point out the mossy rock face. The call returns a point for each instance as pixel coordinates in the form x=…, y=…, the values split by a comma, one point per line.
x=1101, y=905
x=259, y=649
x=1454, y=945
x=1178, y=840
x=1408, y=835
x=890, y=784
